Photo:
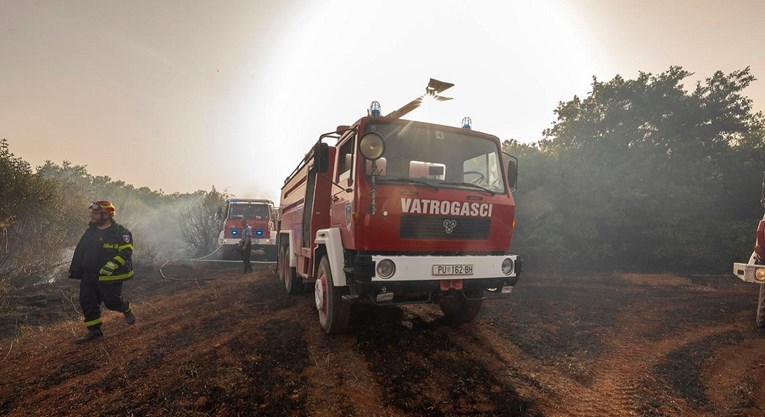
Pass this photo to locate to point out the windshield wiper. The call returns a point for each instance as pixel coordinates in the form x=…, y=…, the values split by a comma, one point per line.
x=407, y=180
x=482, y=188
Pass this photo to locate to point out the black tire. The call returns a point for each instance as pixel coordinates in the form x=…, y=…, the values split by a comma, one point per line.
x=457, y=309
x=287, y=275
x=334, y=313
x=270, y=253
x=761, y=308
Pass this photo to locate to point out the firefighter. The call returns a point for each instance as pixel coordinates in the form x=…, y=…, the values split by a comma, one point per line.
x=245, y=245
x=102, y=262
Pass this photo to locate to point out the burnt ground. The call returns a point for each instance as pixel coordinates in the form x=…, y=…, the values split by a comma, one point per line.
x=228, y=345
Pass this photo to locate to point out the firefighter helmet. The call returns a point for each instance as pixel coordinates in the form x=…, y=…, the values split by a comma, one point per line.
x=103, y=206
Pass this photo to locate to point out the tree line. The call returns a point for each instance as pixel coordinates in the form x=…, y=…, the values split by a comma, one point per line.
x=643, y=175
x=44, y=211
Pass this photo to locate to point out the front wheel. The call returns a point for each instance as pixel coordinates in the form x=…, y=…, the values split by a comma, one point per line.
x=334, y=313
x=458, y=309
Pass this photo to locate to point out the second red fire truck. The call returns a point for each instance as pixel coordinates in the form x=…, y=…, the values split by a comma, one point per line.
x=398, y=212
x=260, y=215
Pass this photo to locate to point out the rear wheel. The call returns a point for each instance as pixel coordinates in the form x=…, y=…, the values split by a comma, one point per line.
x=287, y=275
x=334, y=313
x=458, y=309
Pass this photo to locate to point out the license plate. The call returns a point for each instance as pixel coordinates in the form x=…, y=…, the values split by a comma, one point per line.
x=452, y=269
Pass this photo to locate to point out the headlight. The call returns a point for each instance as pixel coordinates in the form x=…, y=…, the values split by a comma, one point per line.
x=372, y=146
x=386, y=268
x=507, y=266
x=759, y=274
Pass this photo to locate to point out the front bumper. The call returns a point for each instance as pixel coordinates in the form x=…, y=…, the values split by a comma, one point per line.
x=749, y=272
x=428, y=268
x=255, y=242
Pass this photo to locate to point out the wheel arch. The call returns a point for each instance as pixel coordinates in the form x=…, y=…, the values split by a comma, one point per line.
x=329, y=242
x=285, y=237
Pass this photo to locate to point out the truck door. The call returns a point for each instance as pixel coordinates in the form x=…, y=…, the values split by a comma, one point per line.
x=341, y=200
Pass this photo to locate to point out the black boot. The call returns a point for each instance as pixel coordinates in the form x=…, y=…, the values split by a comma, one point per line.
x=94, y=334
x=129, y=317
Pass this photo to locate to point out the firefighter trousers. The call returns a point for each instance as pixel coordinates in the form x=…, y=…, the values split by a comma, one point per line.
x=94, y=292
x=246, y=254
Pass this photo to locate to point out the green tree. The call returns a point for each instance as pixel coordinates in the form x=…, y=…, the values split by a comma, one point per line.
x=200, y=223
x=645, y=168
x=537, y=236
x=30, y=234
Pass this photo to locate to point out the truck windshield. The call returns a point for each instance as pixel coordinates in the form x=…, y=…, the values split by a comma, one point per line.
x=250, y=211
x=444, y=158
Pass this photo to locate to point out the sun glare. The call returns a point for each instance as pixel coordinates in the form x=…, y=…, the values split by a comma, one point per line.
x=490, y=51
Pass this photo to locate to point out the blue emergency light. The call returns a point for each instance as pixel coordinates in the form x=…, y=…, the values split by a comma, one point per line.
x=374, y=109
x=234, y=232
x=467, y=123
x=259, y=232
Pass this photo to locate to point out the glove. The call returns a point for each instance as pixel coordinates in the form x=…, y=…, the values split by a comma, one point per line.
x=108, y=269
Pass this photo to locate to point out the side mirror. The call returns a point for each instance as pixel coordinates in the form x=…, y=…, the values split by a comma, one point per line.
x=512, y=173
x=321, y=157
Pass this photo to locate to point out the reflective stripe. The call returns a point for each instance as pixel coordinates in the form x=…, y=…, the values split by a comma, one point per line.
x=92, y=322
x=115, y=277
x=111, y=246
x=123, y=247
x=119, y=259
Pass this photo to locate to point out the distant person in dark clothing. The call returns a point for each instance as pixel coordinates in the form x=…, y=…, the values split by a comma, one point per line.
x=245, y=245
x=102, y=261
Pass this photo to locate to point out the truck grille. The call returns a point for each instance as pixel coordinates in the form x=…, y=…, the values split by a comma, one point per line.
x=446, y=228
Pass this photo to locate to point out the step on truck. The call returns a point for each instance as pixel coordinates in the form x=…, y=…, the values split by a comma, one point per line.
x=397, y=212
x=260, y=215
x=754, y=270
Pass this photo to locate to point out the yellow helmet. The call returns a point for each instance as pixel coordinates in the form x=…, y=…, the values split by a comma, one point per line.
x=103, y=206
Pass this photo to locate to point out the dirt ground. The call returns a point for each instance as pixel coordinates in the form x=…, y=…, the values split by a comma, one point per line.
x=230, y=345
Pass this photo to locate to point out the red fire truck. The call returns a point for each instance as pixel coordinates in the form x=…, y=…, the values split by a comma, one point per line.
x=754, y=270
x=260, y=215
x=398, y=212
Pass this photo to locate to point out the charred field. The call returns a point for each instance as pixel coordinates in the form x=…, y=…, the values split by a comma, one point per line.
x=216, y=343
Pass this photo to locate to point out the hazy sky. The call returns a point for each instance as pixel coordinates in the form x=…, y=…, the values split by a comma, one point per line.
x=186, y=95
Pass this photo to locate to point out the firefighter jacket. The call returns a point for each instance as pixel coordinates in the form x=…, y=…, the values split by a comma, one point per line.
x=106, y=253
